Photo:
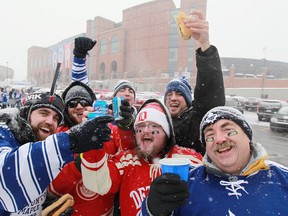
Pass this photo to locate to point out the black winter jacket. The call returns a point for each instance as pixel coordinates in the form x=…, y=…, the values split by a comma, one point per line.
x=208, y=93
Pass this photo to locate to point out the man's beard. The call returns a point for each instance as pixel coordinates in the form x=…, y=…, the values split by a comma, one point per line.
x=145, y=155
x=40, y=136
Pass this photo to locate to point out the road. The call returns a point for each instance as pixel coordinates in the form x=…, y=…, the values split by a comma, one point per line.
x=275, y=143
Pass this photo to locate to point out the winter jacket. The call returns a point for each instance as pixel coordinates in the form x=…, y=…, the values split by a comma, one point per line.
x=208, y=93
x=261, y=189
x=127, y=173
x=26, y=166
x=69, y=180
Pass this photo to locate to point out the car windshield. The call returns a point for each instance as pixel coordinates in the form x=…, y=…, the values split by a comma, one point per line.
x=283, y=111
x=270, y=103
x=230, y=103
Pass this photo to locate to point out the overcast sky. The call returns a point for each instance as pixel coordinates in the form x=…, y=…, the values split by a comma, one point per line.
x=239, y=28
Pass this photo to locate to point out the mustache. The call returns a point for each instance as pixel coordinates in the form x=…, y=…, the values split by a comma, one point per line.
x=223, y=145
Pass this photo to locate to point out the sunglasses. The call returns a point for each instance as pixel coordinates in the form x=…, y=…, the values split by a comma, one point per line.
x=74, y=103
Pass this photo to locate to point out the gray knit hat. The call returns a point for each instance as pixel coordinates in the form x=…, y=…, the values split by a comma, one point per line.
x=78, y=90
x=224, y=112
x=123, y=84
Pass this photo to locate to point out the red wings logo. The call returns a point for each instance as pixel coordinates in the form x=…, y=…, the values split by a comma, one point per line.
x=142, y=116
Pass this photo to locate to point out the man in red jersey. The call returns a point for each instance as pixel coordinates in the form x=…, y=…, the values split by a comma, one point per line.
x=131, y=172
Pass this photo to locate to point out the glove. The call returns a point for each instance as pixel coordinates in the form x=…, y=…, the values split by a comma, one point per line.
x=82, y=46
x=59, y=206
x=90, y=134
x=167, y=192
x=126, y=111
x=77, y=162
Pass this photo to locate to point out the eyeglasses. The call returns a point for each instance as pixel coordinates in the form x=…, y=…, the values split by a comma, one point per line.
x=74, y=103
x=139, y=128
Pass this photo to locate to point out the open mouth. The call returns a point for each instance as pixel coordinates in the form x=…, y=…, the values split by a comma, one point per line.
x=174, y=105
x=224, y=150
x=44, y=130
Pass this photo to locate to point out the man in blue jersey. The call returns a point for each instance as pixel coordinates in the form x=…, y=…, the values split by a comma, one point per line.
x=31, y=156
x=236, y=179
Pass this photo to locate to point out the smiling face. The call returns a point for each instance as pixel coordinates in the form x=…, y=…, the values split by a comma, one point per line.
x=76, y=109
x=44, y=122
x=128, y=94
x=227, y=146
x=175, y=103
x=150, y=139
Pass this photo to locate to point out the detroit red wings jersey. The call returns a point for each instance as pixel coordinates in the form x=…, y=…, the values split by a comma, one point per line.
x=87, y=202
x=128, y=173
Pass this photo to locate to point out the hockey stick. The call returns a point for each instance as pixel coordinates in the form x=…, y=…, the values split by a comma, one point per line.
x=54, y=83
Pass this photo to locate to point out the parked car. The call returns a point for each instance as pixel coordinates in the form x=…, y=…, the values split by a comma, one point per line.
x=240, y=99
x=252, y=103
x=233, y=103
x=279, y=121
x=266, y=108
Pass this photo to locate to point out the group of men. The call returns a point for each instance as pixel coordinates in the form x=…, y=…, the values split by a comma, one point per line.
x=49, y=149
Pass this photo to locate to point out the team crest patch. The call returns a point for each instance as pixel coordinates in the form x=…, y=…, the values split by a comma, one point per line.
x=85, y=193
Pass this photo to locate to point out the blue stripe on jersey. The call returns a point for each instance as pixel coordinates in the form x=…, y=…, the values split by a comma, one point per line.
x=56, y=144
x=31, y=169
x=18, y=176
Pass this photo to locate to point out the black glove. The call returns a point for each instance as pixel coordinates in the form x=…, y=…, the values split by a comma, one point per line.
x=82, y=46
x=77, y=162
x=90, y=134
x=68, y=212
x=126, y=111
x=167, y=192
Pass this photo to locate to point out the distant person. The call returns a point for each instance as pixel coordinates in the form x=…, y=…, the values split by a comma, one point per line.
x=209, y=90
x=236, y=178
x=31, y=156
x=5, y=99
x=131, y=172
x=126, y=90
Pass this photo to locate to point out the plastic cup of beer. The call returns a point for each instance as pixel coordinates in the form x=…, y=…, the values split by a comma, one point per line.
x=179, y=166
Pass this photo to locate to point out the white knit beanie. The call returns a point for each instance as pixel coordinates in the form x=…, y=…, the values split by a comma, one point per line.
x=154, y=113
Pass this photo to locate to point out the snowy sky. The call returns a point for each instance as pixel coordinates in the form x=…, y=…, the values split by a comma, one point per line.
x=239, y=28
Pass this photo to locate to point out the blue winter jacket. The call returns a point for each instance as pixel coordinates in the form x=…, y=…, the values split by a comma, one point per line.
x=26, y=169
x=261, y=189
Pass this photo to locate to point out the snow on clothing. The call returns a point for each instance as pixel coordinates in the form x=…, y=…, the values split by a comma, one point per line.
x=208, y=93
x=79, y=70
x=261, y=189
x=34, y=164
x=127, y=173
x=70, y=181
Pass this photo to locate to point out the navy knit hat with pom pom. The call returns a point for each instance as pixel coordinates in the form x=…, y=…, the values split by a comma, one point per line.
x=224, y=112
x=180, y=84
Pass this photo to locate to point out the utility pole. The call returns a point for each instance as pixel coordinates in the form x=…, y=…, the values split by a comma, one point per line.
x=7, y=70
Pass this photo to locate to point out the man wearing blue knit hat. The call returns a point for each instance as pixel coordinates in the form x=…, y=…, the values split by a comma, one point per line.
x=208, y=93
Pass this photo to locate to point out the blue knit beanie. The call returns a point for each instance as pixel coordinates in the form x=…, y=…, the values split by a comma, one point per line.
x=180, y=84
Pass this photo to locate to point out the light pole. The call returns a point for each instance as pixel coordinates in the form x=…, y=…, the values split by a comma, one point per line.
x=263, y=78
x=7, y=70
